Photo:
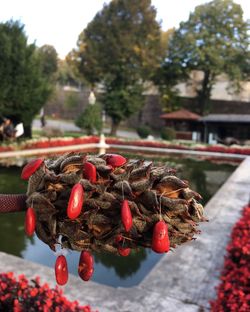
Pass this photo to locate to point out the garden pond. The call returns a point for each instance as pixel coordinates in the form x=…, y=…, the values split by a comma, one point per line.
x=205, y=177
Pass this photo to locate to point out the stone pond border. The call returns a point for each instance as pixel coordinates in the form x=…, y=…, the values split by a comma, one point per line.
x=182, y=280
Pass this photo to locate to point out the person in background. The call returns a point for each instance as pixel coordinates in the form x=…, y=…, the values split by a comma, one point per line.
x=42, y=117
x=8, y=130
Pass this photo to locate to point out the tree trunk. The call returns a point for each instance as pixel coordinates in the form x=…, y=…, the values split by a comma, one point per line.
x=28, y=131
x=114, y=127
x=204, y=93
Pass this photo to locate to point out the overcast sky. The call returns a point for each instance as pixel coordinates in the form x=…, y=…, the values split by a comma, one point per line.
x=59, y=22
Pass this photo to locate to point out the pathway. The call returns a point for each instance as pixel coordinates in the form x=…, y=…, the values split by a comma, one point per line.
x=70, y=126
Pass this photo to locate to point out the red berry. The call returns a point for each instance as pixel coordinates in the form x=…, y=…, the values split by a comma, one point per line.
x=124, y=251
x=90, y=172
x=75, y=201
x=86, y=259
x=31, y=168
x=115, y=160
x=30, y=221
x=86, y=274
x=126, y=216
x=61, y=270
x=160, y=240
x=118, y=238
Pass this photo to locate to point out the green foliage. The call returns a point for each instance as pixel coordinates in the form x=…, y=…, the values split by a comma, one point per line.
x=120, y=48
x=168, y=134
x=24, y=87
x=91, y=119
x=214, y=40
x=71, y=100
x=143, y=131
x=48, y=59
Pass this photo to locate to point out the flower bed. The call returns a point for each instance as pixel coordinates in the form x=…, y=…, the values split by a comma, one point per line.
x=233, y=294
x=19, y=295
x=56, y=142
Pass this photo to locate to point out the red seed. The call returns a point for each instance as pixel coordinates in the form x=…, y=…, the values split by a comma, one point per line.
x=30, y=221
x=86, y=274
x=90, y=172
x=31, y=168
x=160, y=240
x=118, y=238
x=124, y=251
x=86, y=259
x=115, y=160
x=61, y=270
x=126, y=216
x=75, y=201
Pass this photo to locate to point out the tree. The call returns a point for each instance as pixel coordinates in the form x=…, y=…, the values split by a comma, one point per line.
x=91, y=119
x=49, y=60
x=214, y=40
x=120, y=48
x=24, y=82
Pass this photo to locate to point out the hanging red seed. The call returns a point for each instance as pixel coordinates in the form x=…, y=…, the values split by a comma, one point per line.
x=123, y=251
x=115, y=160
x=87, y=274
x=61, y=270
x=86, y=259
x=118, y=238
x=160, y=240
x=30, y=221
x=31, y=168
x=75, y=201
x=126, y=215
x=90, y=172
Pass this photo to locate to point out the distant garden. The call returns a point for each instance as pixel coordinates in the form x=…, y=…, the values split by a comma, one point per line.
x=121, y=50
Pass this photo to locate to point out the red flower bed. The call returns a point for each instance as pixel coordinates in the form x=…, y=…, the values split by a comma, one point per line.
x=215, y=148
x=6, y=148
x=233, y=293
x=18, y=295
x=60, y=142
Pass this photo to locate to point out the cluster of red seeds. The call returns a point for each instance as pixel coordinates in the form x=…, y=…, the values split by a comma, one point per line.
x=233, y=293
x=18, y=295
x=160, y=239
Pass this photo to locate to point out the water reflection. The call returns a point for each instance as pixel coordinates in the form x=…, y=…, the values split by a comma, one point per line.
x=112, y=270
x=123, y=266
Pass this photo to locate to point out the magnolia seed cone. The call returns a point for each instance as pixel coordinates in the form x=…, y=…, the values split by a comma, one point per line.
x=153, y=194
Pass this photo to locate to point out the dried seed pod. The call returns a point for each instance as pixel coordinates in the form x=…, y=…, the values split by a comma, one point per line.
x=130, y=197
x=31, y=167
x=160, y=240
x=61, y=270
x=126, y=216
x=30, y=221
x=75, y=201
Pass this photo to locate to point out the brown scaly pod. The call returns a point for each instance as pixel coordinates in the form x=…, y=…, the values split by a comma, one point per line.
x=119, y=206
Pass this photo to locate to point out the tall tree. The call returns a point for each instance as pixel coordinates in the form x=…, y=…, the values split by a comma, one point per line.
x=120, y=48
x=214, y=40
x=24, y=82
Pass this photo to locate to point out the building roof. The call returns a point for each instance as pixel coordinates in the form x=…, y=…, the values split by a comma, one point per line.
x=182, y=114
x=239, y=118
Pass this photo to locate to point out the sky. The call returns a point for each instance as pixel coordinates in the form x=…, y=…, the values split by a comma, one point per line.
x=59, y=22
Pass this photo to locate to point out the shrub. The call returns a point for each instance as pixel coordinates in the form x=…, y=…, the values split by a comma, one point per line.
x=168, y=134
x=20, y=295
x=91, y=119
x=143, y=131
x=233, y=294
